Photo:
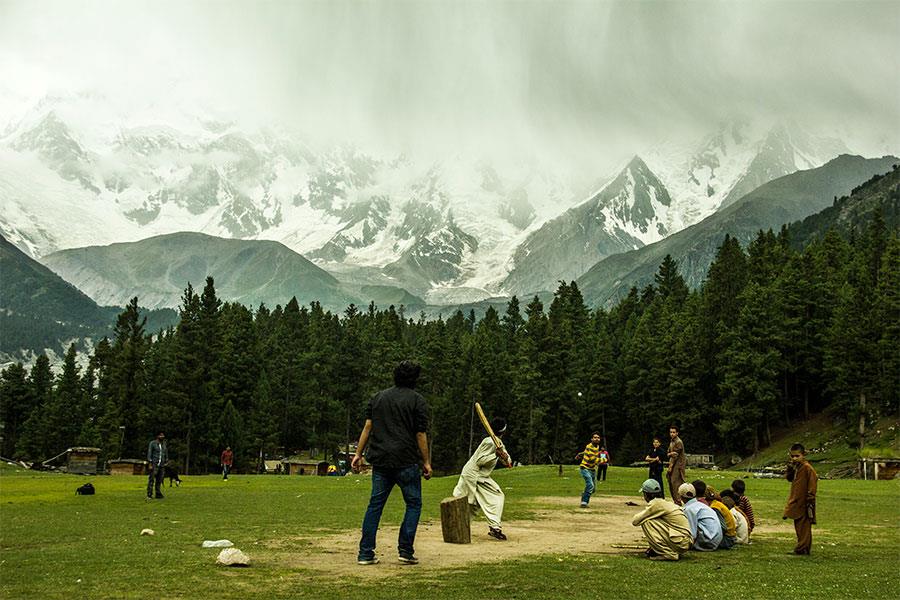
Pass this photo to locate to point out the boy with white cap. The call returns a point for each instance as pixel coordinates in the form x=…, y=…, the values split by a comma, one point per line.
x=706, y=530
x=664, y=524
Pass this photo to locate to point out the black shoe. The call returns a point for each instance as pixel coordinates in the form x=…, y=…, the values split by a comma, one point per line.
x=409, y=560
x=496, y=533
x=650, y=552
x=159, y=496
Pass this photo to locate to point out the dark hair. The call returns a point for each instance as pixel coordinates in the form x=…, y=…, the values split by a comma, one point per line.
x=648, y=496
x=728, y=501
x=699, y=488
x=656, y=439
x=597, y=433
x=675, y=427
x=738, y=486
x=728, y=493
x=406, y=374
x=798, y=447
x=498, y=424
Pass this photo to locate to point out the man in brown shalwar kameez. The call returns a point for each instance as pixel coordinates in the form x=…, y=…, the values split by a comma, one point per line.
x=675, y=472
x=801, y=504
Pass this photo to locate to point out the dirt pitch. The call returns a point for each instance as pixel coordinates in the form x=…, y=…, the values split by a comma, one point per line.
x=560, y=526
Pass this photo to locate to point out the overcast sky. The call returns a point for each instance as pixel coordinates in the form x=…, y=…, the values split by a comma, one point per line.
x=583, y=82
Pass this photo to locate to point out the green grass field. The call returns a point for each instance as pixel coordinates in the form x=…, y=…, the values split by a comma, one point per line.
x=58, y=545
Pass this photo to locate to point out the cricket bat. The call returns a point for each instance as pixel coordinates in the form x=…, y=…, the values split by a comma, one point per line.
x=494, y=438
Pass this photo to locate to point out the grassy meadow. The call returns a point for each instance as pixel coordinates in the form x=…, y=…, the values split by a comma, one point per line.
x=54, y=544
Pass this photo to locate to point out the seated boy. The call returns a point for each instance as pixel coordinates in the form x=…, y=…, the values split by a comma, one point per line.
x=706, y=530
x=663, y=523
x=742, y=529
x=743, y=502
x=729, y=525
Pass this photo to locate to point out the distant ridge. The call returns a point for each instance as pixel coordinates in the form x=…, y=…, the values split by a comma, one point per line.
x=158, y=269
x=771, y=205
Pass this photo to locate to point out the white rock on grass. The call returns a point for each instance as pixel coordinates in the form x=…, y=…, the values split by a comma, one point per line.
x=147, y=532
x=233, y=557
x=217, y=544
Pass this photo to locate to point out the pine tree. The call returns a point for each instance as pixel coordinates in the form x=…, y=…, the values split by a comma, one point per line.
x=748, y=371
x=17, y=402
x=126, y=376
x=262, y=426
x=32, y=442
x=887, y=316
x=669, y=281
x=61, y=415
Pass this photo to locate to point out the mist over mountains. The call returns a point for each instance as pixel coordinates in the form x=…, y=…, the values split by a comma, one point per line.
x=458, y=230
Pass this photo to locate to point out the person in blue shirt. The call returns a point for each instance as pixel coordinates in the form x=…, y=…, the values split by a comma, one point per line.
x=703, y=521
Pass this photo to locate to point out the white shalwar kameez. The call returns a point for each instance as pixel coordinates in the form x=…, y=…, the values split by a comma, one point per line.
x=476, y=483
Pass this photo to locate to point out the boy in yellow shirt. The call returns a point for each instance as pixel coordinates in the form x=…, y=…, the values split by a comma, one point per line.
x=590, y=456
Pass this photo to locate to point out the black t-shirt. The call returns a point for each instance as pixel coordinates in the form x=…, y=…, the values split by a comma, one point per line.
x=397, y=414
x=657, y=467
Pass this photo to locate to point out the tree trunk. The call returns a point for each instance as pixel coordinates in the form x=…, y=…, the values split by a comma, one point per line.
x=187, y=448
x=347, y=455
x=862, y=420
x=531, y=431
x=806, y=401
x=455, y=520
x=787, y=403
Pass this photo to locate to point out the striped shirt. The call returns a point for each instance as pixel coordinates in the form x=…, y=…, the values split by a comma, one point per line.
x=591, y=456
x=744, y=505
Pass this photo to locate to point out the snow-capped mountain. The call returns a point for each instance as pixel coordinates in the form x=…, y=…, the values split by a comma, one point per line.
x=630, y=211
x=739, y=156
x=78, y=171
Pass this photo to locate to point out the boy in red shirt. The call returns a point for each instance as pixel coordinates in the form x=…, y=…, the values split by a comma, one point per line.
x=227, y=460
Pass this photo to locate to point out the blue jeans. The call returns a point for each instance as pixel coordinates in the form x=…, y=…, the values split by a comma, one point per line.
x=409, y=480
x=590, y=482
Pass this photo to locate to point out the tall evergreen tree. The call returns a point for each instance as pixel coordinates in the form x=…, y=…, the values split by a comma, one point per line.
x=17, y=402
x=669, y=281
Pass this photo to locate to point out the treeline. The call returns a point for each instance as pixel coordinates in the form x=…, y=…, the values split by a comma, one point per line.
x=773, y=335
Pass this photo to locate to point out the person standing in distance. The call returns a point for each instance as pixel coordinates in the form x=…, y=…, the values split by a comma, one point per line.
x=655, y=459
x=227, y=460
x=675, y=473
x=157, y=455
x=395, y=441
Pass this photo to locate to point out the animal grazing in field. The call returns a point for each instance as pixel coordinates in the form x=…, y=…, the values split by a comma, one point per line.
x=171, y=471
x=85, y=490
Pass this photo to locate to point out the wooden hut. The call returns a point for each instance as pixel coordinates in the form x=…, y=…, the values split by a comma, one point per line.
x=127, y=466
x=82, y=460
x=704, y=461
x=879, y=468
x=299, y=465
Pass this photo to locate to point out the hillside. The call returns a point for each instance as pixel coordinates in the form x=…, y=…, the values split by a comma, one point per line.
x=831, y=443
x=848, y=213
x=158, y=269
x=40, y=312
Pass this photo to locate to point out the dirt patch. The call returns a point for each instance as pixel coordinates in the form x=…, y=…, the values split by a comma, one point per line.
x=559, y=527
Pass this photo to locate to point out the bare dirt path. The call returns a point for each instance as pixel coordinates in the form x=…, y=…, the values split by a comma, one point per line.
x=559, y=527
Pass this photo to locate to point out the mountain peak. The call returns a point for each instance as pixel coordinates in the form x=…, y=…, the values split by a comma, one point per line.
x=637, y=163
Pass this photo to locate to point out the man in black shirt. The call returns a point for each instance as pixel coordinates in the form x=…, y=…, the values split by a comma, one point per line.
x=655, y=457
x=395, y=439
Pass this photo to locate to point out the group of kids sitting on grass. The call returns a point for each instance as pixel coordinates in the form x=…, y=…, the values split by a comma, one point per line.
x=708, y=520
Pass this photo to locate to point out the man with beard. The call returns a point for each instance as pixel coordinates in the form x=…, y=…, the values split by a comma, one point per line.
x=675, y=473
x=476, y=483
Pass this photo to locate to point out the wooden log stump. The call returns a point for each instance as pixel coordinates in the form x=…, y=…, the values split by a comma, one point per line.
x=455, y=520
